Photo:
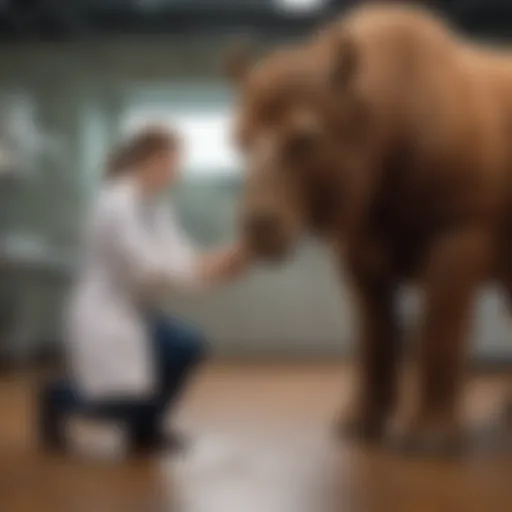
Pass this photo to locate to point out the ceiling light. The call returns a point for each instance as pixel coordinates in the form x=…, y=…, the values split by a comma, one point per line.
x=300, y=6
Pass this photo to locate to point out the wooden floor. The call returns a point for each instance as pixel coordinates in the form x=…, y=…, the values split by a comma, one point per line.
x=262, y=444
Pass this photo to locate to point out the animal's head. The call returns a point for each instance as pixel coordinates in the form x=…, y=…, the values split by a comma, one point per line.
x=298, y=119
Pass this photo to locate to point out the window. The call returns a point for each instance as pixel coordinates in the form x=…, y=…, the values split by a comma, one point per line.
x=206, y=134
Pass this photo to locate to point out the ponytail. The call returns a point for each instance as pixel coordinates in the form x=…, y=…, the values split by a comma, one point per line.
x=139, y=148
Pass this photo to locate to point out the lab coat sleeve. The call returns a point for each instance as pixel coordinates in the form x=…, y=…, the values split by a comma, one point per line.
x=147, y=263
x=182, y=256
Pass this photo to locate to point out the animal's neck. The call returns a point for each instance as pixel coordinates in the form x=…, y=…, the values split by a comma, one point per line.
x=325, y=206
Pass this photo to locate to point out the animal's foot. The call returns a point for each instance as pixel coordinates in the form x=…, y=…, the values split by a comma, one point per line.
x=440, y=436
x=507, y=414
x=361, y=425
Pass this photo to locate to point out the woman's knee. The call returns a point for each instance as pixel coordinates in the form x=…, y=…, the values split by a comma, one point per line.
x=179, y=343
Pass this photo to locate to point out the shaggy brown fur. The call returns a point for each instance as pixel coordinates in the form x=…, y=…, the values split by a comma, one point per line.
x=391, y=135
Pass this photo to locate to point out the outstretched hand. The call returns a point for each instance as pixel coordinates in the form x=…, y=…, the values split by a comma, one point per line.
x=224, y=264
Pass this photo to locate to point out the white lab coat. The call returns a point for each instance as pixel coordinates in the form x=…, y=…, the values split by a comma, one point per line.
x=133, y=248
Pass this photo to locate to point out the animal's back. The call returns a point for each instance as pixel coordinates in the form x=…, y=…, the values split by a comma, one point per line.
x=451, y=102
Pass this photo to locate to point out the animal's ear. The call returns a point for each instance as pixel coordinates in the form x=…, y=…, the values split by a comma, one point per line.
x=238, y=60
x=344, y=61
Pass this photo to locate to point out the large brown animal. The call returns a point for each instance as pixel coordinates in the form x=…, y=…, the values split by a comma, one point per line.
x=390, y=135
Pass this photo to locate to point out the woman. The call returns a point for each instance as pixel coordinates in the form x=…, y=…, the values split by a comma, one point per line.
x=128, y=360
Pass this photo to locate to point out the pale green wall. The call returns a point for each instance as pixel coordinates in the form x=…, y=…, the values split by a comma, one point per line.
x=81, y=91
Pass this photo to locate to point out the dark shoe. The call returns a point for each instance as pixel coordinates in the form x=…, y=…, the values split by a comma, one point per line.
x=174, y=441
x=50, y=427
x=160, y=441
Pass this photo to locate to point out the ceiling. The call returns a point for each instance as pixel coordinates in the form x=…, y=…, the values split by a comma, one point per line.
x=72, y=19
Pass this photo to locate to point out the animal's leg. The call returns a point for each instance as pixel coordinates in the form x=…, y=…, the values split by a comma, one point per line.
x=378, y=358
x=505, y=272
x=508, y=298
x=456, y=265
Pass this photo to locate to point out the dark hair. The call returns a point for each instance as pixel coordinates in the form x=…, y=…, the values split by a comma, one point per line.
x=140, y=147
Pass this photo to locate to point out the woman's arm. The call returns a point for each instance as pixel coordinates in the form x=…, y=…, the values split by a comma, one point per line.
x=132, y=246
x=223, y=264
x=197, y=268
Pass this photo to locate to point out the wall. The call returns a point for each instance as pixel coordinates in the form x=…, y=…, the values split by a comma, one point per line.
x=81, y=91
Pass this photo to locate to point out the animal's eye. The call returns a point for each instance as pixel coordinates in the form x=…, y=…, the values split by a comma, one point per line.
x=265, y=110
x=300, y=145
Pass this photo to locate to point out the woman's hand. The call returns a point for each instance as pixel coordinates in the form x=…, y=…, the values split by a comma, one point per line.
x=224, y=264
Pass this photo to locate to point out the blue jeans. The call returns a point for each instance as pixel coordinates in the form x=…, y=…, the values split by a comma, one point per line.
x=177, y=348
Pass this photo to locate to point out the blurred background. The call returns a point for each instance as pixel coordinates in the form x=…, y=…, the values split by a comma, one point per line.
x=77, y=74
